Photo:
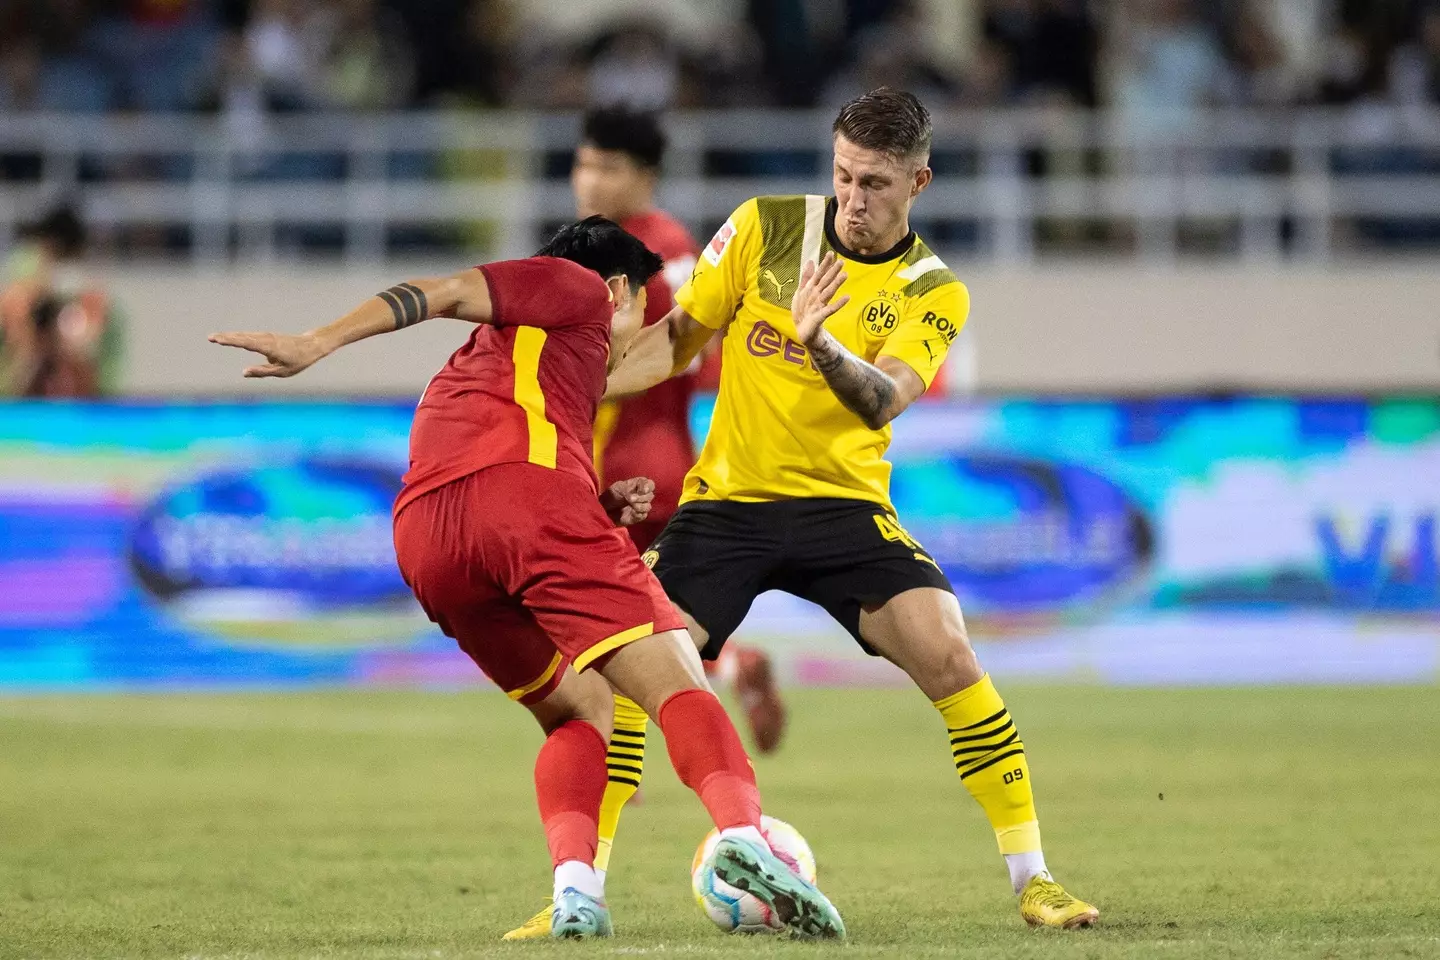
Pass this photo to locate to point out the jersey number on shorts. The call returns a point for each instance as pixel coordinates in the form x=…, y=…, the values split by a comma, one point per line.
x=892, y=531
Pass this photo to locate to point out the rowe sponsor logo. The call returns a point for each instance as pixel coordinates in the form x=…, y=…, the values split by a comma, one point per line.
x=942, y=325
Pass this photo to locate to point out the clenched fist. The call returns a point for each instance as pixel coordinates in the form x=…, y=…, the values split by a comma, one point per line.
x=628, y=501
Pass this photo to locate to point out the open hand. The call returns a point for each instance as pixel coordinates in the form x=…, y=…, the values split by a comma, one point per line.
x=811, y=305
x=287, y=353
x=628, y=501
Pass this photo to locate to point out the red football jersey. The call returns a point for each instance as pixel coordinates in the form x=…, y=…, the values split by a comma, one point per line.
x=649, y=435
x=524, y=388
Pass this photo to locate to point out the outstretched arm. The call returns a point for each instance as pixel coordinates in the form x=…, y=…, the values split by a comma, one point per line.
x=465, y=296
x=875, y=392
x=658, y=352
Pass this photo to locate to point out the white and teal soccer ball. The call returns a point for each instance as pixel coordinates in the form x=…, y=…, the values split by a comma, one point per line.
x=736, y=911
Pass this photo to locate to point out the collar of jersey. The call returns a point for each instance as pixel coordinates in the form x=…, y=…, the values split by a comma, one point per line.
x=894, y=253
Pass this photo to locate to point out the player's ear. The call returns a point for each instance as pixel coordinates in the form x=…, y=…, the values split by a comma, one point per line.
x=923, y=176
x=619, y=286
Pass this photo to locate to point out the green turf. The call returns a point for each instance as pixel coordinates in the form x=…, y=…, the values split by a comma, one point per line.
x=1241, y=823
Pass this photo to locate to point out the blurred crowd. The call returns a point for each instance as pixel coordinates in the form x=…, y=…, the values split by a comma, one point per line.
x=283, y=55
x=1157, y=63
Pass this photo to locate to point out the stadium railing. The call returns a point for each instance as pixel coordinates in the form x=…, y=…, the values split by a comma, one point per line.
x=1012, y=186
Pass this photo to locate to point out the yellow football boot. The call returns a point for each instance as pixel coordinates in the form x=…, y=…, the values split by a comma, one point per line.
x=534, y=928
x=1044, y=903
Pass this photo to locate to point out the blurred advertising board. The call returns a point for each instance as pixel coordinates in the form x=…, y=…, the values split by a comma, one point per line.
x=1160, y=540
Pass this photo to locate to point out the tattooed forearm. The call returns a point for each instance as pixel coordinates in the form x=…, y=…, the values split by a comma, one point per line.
x=866, y=390
x=407, y=302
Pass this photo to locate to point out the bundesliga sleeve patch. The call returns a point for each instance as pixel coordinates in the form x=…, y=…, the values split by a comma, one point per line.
x=715, y=249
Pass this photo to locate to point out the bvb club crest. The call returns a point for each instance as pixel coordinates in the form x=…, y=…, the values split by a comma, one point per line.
x=880, y=317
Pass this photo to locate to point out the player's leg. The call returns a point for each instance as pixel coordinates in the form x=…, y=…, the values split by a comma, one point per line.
x=626, y=759
x=605, y=611
x=438, y=540
x=706, y=544
x=662, y=673
x=752, y=675
x=625, y=765
x=575, y=712
x=624, y=768
x=744, y=668
x=922, y=631
x=570, y=779
x=856, y=561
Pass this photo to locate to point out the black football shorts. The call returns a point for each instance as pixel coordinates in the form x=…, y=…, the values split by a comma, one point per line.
x=715, y=557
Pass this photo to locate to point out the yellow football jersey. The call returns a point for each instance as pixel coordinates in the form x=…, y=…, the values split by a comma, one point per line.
x=779, y=431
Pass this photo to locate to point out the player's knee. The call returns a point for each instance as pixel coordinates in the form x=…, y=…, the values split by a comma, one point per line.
x=597, y=706
x=581, y=696
x=956, y=666
x=655, y=668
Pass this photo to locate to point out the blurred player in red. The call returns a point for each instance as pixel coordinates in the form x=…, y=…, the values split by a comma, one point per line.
x=504, y=535
x=616, y=168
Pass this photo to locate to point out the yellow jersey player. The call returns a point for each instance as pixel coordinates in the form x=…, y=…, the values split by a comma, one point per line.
x=837, y=317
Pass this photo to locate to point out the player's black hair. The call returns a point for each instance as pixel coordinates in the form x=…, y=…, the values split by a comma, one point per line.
x=889, y=120
x=599, y=244
x=635, y=133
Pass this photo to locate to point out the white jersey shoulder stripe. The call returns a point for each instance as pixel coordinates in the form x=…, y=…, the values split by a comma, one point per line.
x=814, y=229
x=919, y=268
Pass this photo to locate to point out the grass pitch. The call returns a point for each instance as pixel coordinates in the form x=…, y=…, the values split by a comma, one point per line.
x=1232, y=823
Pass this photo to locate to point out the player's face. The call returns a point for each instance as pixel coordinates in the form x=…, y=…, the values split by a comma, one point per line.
x=629, y=317
x=610, y=183
x=874, y=192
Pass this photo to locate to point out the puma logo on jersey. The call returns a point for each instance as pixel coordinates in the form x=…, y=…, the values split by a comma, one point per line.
x=780, y=285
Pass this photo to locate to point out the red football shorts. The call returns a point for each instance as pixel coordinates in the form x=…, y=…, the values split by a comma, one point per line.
x=523, y=568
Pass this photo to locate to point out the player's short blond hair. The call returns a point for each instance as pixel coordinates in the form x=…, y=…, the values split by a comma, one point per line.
x=889, y=120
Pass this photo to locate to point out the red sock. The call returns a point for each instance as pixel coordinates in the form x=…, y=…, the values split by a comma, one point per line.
x=570, y=780
x=707, y=754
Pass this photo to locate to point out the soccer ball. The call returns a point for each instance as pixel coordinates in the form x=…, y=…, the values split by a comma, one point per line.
x=736, y=911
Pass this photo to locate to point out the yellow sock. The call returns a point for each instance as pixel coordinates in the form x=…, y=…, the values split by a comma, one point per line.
x=625, y=762
x=990, y=758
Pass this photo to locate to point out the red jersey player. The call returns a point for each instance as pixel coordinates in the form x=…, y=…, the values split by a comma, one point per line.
x=614, y=175
x=504, y=535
